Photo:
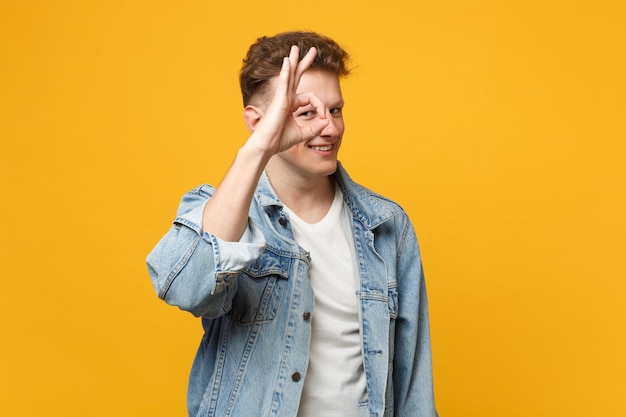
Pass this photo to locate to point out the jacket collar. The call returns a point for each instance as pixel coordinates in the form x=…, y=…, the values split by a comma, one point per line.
x=364, y=204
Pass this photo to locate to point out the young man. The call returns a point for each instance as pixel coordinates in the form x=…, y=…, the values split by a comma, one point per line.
x=310, y=286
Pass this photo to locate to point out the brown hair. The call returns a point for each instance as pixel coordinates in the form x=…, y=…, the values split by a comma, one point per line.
x=265, y=58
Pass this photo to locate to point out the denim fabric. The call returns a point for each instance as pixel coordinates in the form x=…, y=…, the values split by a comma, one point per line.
x=255, y=301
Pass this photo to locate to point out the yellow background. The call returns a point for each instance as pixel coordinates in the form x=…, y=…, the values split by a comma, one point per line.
x=498, y=125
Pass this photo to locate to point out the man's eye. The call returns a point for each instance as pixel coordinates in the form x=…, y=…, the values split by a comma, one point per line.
x=335, y=111
x=306, y=114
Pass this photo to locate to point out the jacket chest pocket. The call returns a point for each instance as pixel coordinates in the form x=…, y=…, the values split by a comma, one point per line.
x=261, y=288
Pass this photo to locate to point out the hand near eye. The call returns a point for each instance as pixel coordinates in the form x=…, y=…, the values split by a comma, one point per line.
x=276, y=129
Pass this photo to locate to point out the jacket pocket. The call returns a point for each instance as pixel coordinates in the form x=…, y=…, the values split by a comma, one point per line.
x=261, y=287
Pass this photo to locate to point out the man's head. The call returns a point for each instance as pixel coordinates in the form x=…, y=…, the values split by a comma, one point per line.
x=265, y=58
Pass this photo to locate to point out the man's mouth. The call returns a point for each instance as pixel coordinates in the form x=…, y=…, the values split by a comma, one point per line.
x=322, y=148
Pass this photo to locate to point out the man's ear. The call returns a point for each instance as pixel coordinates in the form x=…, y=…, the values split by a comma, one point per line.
x=252, y=115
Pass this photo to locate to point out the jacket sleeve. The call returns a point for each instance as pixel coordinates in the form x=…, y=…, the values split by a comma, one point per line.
x=413, y=382
x=195, y=270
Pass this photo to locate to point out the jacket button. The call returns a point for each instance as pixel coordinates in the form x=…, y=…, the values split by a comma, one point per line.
x=296, y=376
x=306, y=315
x=282, y=221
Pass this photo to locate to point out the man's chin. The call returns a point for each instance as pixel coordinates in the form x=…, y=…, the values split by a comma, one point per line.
x=330, y=169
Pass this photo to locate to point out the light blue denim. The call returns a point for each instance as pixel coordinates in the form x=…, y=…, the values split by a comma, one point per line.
x=256, y=302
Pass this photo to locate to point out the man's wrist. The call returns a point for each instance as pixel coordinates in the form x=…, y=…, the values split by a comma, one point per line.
x=252, y=154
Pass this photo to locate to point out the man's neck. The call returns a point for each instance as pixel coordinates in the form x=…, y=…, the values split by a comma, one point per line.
x=308, y=199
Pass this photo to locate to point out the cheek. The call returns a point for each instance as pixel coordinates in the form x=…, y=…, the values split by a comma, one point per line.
x=340, y=126
x=294, y=151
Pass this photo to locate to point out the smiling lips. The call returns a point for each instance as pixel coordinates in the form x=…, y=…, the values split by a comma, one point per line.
x=322, y=148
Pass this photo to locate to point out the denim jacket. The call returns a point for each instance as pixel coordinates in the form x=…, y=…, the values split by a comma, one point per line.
x=256, y=305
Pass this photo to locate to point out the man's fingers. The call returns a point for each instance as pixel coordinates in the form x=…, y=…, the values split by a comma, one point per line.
x=315, y=128
x=309, y=98
x=282, y=86
x=304, y=65
x=286, y=99
x=294, y=56
x=306, y=61
x=299, y=66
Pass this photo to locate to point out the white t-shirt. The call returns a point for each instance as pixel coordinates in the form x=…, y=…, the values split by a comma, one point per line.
x=335, y=380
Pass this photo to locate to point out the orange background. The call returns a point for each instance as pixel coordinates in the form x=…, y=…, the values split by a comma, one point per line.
x=499, y=125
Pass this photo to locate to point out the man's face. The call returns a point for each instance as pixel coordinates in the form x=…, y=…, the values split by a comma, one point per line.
x=318, y=156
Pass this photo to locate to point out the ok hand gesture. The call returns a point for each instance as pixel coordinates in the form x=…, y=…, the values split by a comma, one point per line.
x=274, y=127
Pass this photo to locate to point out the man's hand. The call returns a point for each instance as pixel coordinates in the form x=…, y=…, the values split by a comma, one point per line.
x=274, y=130
x=277, y=129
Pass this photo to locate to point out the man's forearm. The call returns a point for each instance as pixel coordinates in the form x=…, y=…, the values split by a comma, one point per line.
x=226, y=213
